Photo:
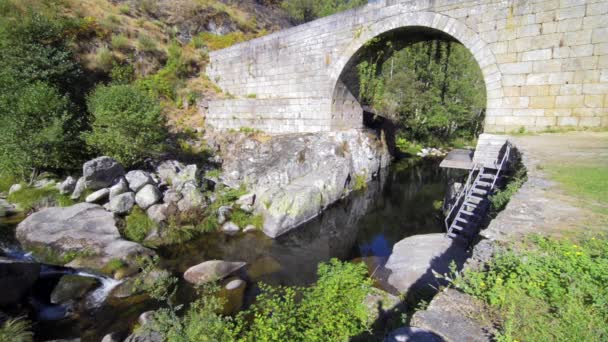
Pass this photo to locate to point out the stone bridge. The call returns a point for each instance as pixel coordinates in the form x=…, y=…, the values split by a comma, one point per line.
x=545, y=64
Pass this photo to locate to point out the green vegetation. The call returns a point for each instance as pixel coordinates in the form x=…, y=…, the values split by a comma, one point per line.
x=217, y=41
x=51, y=256
x=514, y=181
x=146, y=44
x=127, y=124
x=405, y=146
x=587, y=181
x=302, y=11
x=433, y=90
x=16, y=330
x=138, y=225
x=166, y=81
x=555, y=290
x=120, y=42
x=360, y=182
x=31, y=198
x=113, y=266
x=331, y=310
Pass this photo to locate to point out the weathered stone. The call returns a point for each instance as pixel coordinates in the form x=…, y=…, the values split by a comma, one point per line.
x=44, y=183
x=101, y=172
x=98, y=196
x=167, y=170
x=233, y=291
x=413, y=334
x=223, y=214
x=211, y=270
x=67, y=186
x=16, y=279
x=6, y=209
x=122, y=204
x=172, y=196
x=415, y=258
x=188, y=174
x=82, y=228
x=120, y=187
x=147, y=196
x=14, y=188
x=248, y=199
x=113, y=337
x=249, y=228
x=158, y=212
x=138, y=179
x=72, y=287
x=78, y=189
x=192, y=197
x=230, y=228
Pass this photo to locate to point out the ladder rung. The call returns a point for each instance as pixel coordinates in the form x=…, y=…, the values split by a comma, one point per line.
x=452, y=235
x=475, y=200
x=458, y=228
x=482, y=183
x=487, y=176
x=478, y=192
x=460, y=219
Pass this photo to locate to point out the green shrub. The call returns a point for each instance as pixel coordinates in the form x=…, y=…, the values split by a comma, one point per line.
x=16, y=330
x=120, y=42
x=146, y=44
x=122, y=73
x=127, y=124
x=138, y=225
x=407, y=147
x=166, y=81
x=307, y=10
x=556, y=283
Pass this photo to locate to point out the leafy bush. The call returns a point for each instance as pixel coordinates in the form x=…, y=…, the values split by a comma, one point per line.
x=16, y=330
x=165, y=82
x=557, y=283
x=307, y=10
x=138, y=225
x=122, y=73
x=127, y=124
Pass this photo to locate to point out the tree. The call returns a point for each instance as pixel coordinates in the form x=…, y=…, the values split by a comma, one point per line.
x=127, y=124
x=38, y=129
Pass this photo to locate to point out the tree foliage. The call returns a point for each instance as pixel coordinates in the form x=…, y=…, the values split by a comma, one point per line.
x=302, y=11
x=127, y=124
x=434, y=90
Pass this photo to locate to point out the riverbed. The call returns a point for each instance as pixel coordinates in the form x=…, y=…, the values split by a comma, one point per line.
x=402, y=201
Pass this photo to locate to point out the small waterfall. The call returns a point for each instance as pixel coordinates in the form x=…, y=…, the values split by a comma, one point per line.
x=99, y=295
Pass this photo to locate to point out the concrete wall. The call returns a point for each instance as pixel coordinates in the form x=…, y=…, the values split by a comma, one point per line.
x=545, y=64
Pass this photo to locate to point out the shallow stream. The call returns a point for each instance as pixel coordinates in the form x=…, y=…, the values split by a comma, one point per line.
x=399, y=203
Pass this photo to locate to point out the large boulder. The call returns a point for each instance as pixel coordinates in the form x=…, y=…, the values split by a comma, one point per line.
x=122, y=204
x=101, y=172
x=416, y=259
x=16, y=279
x=120, y=187
x=138, y=179
x=72, y=287
x=211, y=270
x=85, y=229
x=148, y=196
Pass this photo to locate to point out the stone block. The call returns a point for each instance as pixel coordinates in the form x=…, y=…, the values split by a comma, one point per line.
x=593, y=121
x=600, y=35
x=571, y=89
x=542, y=102
x=567, y=121
x=536, y=55
x=595, y=88
x=546, y=121
x=516, y=68
x=541, y=90
x=569, y=101
x=594, y=101
x=577, y=38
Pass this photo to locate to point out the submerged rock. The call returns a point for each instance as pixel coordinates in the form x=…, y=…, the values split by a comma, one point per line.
x=211, y=270
x=16, y=279
x=72, y=287
x=85, y=229
x=101, y=172
x=415, y=259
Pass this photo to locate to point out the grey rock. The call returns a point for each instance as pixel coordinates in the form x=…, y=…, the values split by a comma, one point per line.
x=233, y=293
x=98, y=196
x=249, y=228
x=7, y=209
x=138, y=179
x=223, y=214
x=172, y=196
x=67, y=186
x=122, y=204
x=120, y=187
x=168, y=170
x=416, y=258
x=82, y=227
x=113, y=337
x=192, y=197
x=147, y=196
x=413, y=334
x=72, y=287
x=455, y=316
x=16, y=279
x=146, y=317
x=78, y=189
x=188, y=174
x=101, y=172
x=230, y=228
x=15, y=188
x=44, y=183
x=211, y=270
x=158, y=212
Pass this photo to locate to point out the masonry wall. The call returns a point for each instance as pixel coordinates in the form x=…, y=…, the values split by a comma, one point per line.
x=545, y=63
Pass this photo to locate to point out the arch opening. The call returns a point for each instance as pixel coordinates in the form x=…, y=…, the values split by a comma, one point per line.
x=383, y=80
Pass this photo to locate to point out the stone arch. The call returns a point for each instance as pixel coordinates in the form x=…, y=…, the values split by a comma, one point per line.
x=342, y=99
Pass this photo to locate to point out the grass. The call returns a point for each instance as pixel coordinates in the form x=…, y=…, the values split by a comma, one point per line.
x=6, y=181
x=30, y=198
x=119, y=42
x=146, y=44
x=554, y=290
x=113, y=266
x=52, y=256
x=16, y=330
x=138, y=225
x=587, y=181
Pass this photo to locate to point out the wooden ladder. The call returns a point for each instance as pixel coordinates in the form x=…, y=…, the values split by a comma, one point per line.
x=472, y=201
